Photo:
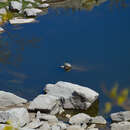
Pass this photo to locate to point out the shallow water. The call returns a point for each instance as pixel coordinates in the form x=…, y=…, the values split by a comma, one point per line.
x=96, y=40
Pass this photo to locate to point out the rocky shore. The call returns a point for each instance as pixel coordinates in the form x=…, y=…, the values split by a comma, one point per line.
x=44, y=111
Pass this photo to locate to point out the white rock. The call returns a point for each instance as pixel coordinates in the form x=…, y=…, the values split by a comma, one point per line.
x=120, y=116
x=4, y=116
x=21, y=20
x=31, y=1
x=45, y=126
x=75, y=127
x=46, y=117
x=29, y=5
x=120, y=126
x=1, y=30
x=35, y=124
x=45, y=103
x=79, y=119
x=55, y=127
x=98, y=120
x=44, y=5
x=19, y=116
x=32, y=12
x=72, y=96
x=9, y=99
x=15, y=6
x=3, y=11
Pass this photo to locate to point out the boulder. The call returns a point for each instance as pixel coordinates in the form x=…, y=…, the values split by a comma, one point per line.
x=98, y=120
x=9, y=99
x=18, y=117
x=120, y=126
x=15, y=6
x=75, y=127
x=120, y=116
x=43, y=5
x=46, y=117
x=3, y=11
x=31, y=12
x=71, y=95
x=45, y=103
x=21, y=20
x=79, y=119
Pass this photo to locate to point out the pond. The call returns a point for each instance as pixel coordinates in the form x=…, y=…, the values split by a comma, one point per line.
x=93, y=37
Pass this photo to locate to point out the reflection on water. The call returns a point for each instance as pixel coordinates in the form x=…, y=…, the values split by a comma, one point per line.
x=96, y=45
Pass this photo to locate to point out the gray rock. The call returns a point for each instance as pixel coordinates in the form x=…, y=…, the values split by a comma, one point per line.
x=21, y=20
x=9, y=99
x=79, y=119
x=55, y=127
x=45, y=103
x=72, y=96
x=120, y=116
x=75, y=127
x=29, y=5
x=3, y=1
x=35, y=124
x=15, y=6
x=46, y=117
x=43, y=5
x=31, y=12
x=98, y=120
x=92, y=129
x=3, y=11
x=19, y=117
x=1, y=30
x=120, y=126
x=31, y=1
x=4, y=116
x=62, y=125
x=45, y=126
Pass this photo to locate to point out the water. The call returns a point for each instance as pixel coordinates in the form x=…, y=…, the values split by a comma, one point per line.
x=95, y=40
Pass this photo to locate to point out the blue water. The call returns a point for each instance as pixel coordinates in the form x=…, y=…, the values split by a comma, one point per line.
x=96, y=41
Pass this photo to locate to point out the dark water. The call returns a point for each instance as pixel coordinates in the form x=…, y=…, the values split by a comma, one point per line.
x=95, y=40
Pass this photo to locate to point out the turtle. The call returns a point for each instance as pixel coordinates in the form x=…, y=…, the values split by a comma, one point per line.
x=66, y=66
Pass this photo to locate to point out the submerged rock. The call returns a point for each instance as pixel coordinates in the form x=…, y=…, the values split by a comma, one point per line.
x=9, y=99
x=21, y=20
x=120, y=116
x=45, y=103
x=71, y=95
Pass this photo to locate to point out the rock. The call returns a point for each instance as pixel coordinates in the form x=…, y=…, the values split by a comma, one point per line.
x=120, y=126
x=98, y=120
x=3, y=1
x=71, y=95
x=92, y=129
x=46, y=117
x=45, y=126
x=4, y=116
x=75, y=127
x=32, y=12
x=62, y=125
x=92, y=126
x=31, y=1
x=55, y=127
x=45, y=103
x=120, y=116
x=23, y=129
x=9, y=99
x=6, y=127
x=43, y=5
x=35, y=124
x=79, y=119
x=1, y=30
x=3, y=11
x=21, y=20
x=18, y=116
x=29, y=5
x=15, y=6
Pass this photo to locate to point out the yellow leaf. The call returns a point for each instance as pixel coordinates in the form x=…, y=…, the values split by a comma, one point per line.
x=113, y=92
x=108, y=107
